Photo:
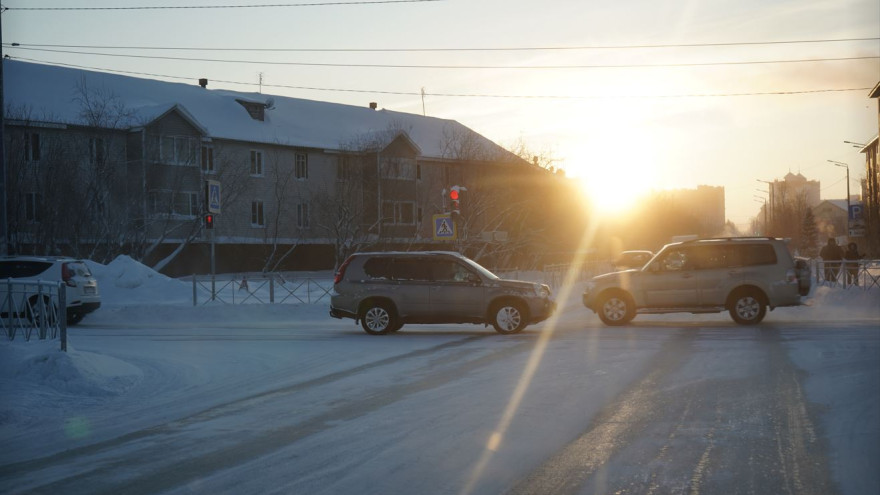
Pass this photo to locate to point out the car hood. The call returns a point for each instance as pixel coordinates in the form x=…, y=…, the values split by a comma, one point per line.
x=516, y=284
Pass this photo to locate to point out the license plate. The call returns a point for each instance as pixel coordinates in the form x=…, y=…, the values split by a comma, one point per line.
x=90, y=290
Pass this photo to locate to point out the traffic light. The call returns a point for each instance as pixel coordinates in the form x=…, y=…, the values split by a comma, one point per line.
x=455, y=196
x=209, y=221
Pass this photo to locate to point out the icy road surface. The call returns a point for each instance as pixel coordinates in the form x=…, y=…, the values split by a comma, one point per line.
x=672, y=405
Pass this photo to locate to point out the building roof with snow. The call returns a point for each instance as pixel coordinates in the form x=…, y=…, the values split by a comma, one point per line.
x=53, y=94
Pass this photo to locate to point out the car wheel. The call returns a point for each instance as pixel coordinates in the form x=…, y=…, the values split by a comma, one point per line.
x=379, y=319
x=508, y=317
x=747, y=308
x=74, y=318
x=35, y=313
x=616, y=309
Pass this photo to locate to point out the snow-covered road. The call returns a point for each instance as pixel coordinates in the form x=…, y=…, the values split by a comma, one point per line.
x=168, y=398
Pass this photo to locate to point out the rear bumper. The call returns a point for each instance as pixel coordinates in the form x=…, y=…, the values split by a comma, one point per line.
x=341, y=313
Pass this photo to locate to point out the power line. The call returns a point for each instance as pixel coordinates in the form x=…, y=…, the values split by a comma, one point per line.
x=456, y=95
x=470, y=67
x=445, y=49
x=256, y=6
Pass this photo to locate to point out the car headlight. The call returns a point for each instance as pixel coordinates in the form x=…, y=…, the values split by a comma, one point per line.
x=542, y=290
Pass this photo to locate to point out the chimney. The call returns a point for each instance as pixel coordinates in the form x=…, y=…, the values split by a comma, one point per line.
x=203, y=82
x=373, y=105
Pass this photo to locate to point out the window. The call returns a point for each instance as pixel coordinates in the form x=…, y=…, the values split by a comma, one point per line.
x=31, y=147
x=33, y=207
x=257, y=214
x=398, y=212
x=399, y=168
x=302, y=166
x=177, y=150
x=343, y=168
x=257, y=163
x=96, y=151
x=208, y=159
x=302, y=215
x=185, y=204
x=418, y=171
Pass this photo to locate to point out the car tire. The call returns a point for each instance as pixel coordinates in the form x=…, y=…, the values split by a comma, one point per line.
x=74, y=318
x=34, y=314
x=616, y=308
x=508, y=317
x=379, y=319
x=747, y=307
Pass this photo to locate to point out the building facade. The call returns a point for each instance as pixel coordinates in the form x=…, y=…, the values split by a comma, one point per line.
x=101, y=163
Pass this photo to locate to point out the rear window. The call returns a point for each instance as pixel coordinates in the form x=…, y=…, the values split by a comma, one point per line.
x=22, y=269
x=403, y=269
x=78, y=268
x=754, y=254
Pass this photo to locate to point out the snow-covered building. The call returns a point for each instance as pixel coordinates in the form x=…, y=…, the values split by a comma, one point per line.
x=96, y=159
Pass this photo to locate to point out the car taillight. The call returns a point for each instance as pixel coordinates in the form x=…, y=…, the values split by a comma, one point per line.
x=67, y=275
x=341, y=272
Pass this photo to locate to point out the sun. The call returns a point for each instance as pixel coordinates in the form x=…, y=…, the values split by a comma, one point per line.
x=613, y=183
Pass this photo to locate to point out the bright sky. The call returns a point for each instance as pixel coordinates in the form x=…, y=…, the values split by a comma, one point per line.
x=623, y=129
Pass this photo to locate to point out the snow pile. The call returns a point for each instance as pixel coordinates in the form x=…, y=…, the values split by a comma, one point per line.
x=139, y=283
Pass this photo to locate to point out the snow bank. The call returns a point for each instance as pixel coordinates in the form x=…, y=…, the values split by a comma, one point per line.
x=126, y=282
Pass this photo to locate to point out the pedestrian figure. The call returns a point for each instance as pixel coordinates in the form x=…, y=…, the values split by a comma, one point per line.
x=852, y=266
x=831, y=255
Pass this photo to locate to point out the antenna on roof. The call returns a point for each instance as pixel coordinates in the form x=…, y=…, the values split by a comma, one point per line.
x=423, y=101
x=261, y=83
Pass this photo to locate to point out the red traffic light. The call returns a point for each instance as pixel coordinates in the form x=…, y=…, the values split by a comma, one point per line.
x=209, y=221
x=453, y=194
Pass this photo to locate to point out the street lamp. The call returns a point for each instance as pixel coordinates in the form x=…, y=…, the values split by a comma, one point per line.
x=841, y=164
x=770, y=196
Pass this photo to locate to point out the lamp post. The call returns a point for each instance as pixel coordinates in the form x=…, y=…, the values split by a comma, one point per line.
x=846, y=165
x=764, y=200
x=770, y=195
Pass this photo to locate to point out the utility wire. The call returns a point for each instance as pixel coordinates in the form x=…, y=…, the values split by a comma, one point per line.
x=414, y=50
x=470, y=67
x=454, y=95
x=256, y=6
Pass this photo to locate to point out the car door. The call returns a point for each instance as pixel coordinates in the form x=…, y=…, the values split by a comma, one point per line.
x=671, y=281
x=457, y=292
x=716, y=273
x=407, y=286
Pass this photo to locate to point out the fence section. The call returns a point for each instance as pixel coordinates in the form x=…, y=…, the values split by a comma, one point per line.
x=848, y=274
x=30, y=309
x=260, y=289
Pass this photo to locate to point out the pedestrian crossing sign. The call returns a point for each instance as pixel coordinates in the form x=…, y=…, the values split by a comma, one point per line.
x=444, y=228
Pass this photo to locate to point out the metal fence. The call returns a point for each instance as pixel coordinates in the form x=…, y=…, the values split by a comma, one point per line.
x=32, y=309
x=275, y=288
x=847, y=274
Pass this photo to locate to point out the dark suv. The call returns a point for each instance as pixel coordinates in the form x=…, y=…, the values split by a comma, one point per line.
x=386, y=290
x=744, y=276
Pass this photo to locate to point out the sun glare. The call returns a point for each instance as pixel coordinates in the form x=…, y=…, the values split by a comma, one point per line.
x=614, y=186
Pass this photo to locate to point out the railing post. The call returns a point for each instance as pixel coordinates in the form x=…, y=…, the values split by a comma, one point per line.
x=10, y=311
x=271, y=290
x=212, y=287
x=62, y=317
x=42, y=310
x=195, y=297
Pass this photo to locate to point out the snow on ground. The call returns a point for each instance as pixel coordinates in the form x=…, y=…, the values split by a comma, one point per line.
x=42, y=386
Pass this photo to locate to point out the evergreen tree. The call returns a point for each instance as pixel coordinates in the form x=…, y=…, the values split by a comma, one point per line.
x=809, y=235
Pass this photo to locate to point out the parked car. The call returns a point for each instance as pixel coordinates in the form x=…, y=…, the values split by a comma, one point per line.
x=631, y=259
x=744, y=276
x=385, y=290
x=81, y=289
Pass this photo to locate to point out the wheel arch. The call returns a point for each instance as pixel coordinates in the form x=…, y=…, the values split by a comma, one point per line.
x=491, y=308
x=369, y=301
x=760, y=293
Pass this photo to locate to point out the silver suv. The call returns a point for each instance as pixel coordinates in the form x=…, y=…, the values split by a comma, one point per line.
x=81, y=289
x=743, y=275
x=385, y=290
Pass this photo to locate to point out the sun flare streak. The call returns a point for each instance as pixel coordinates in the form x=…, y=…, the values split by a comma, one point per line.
x=496, y=439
